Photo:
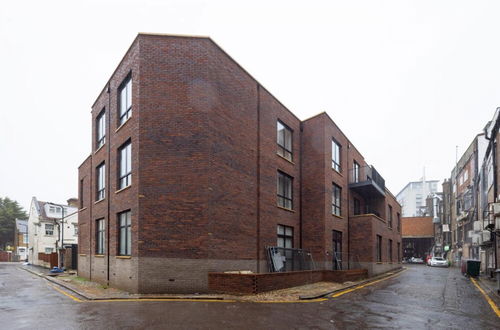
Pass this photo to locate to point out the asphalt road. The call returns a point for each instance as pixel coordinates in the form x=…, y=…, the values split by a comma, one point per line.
x=419, y=298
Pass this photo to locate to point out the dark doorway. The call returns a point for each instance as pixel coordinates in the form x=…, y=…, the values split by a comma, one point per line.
x=74, y=256
x=337, y=249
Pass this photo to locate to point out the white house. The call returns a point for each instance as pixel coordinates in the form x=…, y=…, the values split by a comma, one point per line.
x=44, y=228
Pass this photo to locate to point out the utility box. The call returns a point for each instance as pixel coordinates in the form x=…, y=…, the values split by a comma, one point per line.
x=473, y=267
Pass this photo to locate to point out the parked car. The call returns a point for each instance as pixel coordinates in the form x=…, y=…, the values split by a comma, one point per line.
x=414, y=260
x=438, y=262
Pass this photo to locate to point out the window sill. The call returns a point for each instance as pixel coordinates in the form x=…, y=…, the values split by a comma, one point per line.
x=97, y=150
x=337, y=216
x=119, y=191
x=82, y=255
x=99, y=255
x=97, y=202
x=283, y=208
x=123, y=124
x=123, y=257
x=379, y=262
x=339, y=173
x=288, y=160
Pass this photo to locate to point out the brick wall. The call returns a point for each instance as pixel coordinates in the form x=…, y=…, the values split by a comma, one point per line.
x=257, y=283
x=204, y=170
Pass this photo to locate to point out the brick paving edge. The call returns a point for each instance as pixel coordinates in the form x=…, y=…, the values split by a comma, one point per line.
x=321, y=295
x=87, y=297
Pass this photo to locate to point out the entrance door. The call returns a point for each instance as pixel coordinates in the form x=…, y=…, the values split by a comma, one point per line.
x=337, y=249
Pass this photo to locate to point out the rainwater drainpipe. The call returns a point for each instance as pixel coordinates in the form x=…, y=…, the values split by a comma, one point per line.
x=348, y=209
x=258, y=178
x=108, y=181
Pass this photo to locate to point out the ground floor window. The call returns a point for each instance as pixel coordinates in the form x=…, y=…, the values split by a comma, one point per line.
x=390, y=250
x=379, y=248
x=99, y=241
x=285, y=236
x=125, y=247
x=399, y=252
x=337, y=249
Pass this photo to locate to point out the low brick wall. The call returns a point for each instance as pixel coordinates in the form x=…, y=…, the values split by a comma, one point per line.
x=257, y=283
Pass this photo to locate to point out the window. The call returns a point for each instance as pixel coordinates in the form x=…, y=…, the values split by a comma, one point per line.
x=390, y=250
x=399, y=252
x=75, y=228
x=379, y=248
x=125, y=100
x=99, y=241
x=337, y=249
x=355, y=172
x=54, y=209
x=125, y=245
x=101, y=129
x=284, y=135
x=336, y=199
x=25, y=238
x=125, y=165
x=81, y=194
x=389, y=217
x=100, y=182
x=399, y=221
x=357, y=206
x=49, y=229
x=336, y=156
x=285, y=191
x=49, y=250
x=285, y=237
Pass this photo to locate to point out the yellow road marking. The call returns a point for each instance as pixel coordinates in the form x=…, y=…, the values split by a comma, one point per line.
x=67, y=294
x=288, y=301
x=488, y=299
x=338, y=294
x=161, y=299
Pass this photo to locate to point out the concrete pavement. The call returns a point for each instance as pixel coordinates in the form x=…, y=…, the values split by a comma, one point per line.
x=419, y=298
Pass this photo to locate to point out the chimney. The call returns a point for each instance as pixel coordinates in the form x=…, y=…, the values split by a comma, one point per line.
x=73, y=202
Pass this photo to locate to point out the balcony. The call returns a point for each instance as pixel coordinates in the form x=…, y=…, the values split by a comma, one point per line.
x=366, y=181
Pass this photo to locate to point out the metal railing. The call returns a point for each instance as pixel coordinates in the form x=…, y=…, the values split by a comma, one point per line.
x=287, y=259
x=366, y=173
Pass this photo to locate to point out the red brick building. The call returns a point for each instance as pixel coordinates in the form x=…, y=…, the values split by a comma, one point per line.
x=418, y=236
x=196, y=167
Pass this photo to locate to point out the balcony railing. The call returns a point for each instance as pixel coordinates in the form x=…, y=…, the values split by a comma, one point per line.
x=366, y=180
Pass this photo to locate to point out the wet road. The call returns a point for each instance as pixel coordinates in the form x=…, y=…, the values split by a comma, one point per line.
x=419, y=298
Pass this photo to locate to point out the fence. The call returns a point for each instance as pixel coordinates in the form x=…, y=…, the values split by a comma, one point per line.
x=50, y=259
x=287, y=259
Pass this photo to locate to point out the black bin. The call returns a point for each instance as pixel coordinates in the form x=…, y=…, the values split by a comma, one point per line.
x=473, y=267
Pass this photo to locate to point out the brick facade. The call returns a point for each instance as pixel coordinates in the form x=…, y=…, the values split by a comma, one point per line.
x=204, y=171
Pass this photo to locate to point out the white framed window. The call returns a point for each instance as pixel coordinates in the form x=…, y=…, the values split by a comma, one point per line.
x=49, y=250
x=100, y=182
x=336, y=154
x=49, y=229
x=125, y=165
x=284, y=139
x=100, y=234
x=125, y=224
x=25, y=239
x=101, y=129
x=125, y=100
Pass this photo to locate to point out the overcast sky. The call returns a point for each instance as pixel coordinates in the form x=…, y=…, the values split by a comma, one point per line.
x=406, y=81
